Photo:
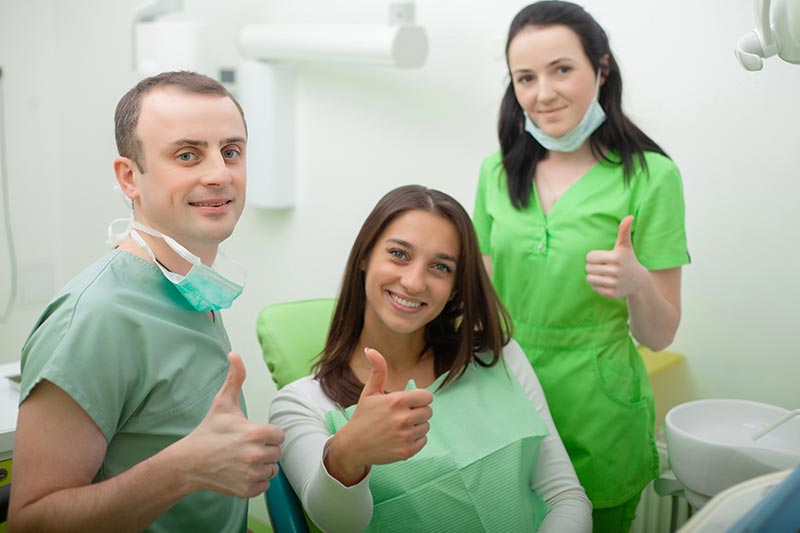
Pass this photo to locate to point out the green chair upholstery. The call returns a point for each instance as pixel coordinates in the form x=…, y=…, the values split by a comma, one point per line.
x=292, y=335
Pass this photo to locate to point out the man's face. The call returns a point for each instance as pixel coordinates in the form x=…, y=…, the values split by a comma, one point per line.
x=193, y=148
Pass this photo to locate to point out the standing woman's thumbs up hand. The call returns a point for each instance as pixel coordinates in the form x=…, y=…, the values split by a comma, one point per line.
x=616, y=273
x=385, y=427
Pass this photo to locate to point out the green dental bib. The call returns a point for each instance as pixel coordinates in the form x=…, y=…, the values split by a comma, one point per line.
x=474, y=473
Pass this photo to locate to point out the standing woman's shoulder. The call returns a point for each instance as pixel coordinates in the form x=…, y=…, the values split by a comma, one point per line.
x=660, y=165
x=492, y=164
x=659, y=171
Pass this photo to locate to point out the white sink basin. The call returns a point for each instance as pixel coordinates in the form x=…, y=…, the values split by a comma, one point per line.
x=710, y=445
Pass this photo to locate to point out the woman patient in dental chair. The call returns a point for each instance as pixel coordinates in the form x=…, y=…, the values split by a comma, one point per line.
x=422, y=413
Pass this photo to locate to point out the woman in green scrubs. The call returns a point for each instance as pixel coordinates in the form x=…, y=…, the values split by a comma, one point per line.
x=580, y=218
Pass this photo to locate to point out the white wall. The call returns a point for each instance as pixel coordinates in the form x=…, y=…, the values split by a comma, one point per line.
x=364, y=130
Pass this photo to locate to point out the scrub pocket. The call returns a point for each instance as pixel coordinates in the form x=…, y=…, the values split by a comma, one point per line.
x=618, y=372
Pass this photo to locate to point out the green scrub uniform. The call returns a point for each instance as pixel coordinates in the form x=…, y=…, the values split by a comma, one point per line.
x=577, y=340
x=144, y=365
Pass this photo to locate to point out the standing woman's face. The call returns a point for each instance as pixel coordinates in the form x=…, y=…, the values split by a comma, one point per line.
x=554, y=81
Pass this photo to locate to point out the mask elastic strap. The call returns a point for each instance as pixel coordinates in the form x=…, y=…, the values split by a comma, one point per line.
x=172, y=243
x=237, y=266
x=114, y=239
x=125, y=200
x=172, y=276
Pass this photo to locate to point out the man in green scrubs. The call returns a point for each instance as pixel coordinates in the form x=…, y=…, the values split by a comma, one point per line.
x=131, y=415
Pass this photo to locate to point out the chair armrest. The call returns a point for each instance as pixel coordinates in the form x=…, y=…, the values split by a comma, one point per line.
x=285, y=510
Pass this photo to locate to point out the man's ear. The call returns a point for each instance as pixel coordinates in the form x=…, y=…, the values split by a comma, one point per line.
x=124, y=170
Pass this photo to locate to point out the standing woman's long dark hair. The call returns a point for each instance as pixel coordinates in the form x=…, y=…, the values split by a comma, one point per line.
x=521, y=153
x=473, y=320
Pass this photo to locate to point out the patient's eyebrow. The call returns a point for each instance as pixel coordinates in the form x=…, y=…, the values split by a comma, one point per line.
x=406, y=244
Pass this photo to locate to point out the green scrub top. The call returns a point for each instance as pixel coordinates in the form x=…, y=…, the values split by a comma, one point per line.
x=144, y=365
x=577, y=340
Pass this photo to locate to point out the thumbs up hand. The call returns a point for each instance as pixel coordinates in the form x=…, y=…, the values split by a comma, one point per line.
x=377, y=376
x=616, y=273
x=227, y=399
x=385, y=427
x=227, y=453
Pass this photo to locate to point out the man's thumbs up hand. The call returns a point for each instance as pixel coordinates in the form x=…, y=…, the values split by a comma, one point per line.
x=227, y=453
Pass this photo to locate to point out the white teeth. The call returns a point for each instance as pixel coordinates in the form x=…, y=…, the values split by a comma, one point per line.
x=204, y=204
x=404, y=303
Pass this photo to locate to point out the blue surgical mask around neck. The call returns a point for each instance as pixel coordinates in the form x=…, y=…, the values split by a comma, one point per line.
x=573, y=139
x=205, y=288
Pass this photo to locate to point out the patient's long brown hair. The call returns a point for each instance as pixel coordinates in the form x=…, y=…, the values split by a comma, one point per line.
x=472, y=322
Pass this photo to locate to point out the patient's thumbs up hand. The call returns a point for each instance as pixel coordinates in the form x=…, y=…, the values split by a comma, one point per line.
x=377, y=376
x=384, y=428
x=227, y=453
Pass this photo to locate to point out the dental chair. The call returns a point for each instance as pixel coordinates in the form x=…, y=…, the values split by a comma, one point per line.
x=292, y=335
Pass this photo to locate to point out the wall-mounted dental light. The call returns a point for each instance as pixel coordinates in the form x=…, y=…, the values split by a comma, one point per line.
x=266, y=85
x=777, y=32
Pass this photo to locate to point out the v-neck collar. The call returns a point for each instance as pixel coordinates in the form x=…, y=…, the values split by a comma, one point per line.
x=566, y=197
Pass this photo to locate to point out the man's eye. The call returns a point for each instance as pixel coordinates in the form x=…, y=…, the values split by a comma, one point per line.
x=187, y=156
x=230, y=153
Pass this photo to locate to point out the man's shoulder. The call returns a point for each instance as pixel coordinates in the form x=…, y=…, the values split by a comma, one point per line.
x=106, y=282
x=91, y=302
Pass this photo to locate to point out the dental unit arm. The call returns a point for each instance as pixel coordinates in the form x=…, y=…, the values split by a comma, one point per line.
x=781, y=38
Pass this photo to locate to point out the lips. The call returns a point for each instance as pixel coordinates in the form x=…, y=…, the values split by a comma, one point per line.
x=549, y=111
x=408, y=304
x=210, y=203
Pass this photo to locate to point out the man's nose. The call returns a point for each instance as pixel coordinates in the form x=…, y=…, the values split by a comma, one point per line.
x=216, y=172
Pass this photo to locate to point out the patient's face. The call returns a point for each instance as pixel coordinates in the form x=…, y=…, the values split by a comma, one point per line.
x=410, y=273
